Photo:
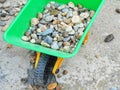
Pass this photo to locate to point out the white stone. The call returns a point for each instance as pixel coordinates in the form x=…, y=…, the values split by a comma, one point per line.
x=76, y=19
x=84, y=15
x=69, y=28
x=38, y=30
x=72, y=32
x=25, y=38
x=32, y=40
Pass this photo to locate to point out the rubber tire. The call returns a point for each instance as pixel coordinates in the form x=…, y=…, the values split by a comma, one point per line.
x=43, y=73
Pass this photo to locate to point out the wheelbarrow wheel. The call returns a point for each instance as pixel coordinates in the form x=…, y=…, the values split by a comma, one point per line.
x=43, y=72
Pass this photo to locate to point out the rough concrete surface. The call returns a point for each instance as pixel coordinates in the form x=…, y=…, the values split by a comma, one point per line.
x=95, y=67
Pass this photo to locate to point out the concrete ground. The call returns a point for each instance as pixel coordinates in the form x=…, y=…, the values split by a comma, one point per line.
x=95, y=67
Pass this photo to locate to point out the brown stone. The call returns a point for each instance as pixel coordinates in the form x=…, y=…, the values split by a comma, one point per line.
x=65, y=72
x=51, y=86
x=4, y=28
x=9, y=46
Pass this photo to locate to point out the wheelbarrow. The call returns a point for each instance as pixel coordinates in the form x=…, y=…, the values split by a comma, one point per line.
x=48, y=61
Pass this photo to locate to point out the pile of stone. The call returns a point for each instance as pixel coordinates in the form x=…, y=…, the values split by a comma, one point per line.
x=59, y=27
x=9, y=9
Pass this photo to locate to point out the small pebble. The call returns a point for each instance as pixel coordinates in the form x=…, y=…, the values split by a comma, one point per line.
x=32, y=61
x=118, y=10
x=4, y=28
x=66, y=48
x=38, y=41
x=32, y=40
x=49, y=18
x=54, y=12
x=39, y=30
x=68, y=29
x=45, y=44
x=72, y=32
x=39, y=15
x=59, y=76
x=66, y=39
x=79, y=6
x=5, y=18
x=66, y=44
x=69, y=14
x=71, y=4
x=84, y=15
x=25, y=38
x=47, y=31
x=109, y=38
x=55, y=45
x=3, y=14
x=65, y=72
x=34, y=21
x=9, y=46
x=58, y=87
x=34, y=36
x=43, y=28
x=65, y=10
x=113, y=88
x=2, y=23
x=27, y=33
x=48, y=40
x=92, y=13
x=24, y=80
x=76, y=19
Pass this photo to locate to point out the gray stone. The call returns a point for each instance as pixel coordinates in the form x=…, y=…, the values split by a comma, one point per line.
x=55, y=45
x=59, y=44
x=48, y=40
x=60, y=17
x=62, y=6
x=28, y=33
x=2, y=23
x=6, y=4
x=77, y=26
x=54, y=33
x=33, y=28
x=69, y=14
x=12, y=12
x=49, y=18
x=3, y=14
x=39, y=25
x=66, y=39
x=65, y=10
x=113, y=88
x=56, y=5
x=38, y=41
x=47, y=31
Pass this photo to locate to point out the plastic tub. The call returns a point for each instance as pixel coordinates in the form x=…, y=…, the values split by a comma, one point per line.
x=22, y=22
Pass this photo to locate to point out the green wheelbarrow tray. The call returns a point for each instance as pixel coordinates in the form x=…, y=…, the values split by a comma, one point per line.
x=22, y=22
